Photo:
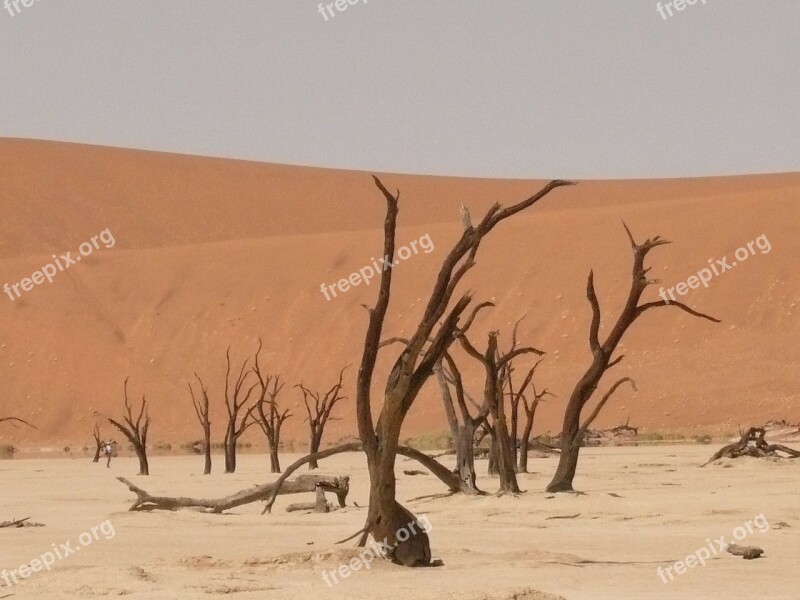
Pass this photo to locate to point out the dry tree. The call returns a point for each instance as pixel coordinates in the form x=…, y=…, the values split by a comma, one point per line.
x=135, y=429
x=98, y=443
x=240, y=415
x=463, y=424
x=320, y=413
x=437, y=330
x=529, y=406
x=270, y=420
x=573, y=432
x=201, y=410
x=496, y=366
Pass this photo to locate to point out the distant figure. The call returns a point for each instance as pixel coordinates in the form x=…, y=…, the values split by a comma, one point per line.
x=108, y=452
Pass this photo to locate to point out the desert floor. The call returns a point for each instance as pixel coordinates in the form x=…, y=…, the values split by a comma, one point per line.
x=663, y=508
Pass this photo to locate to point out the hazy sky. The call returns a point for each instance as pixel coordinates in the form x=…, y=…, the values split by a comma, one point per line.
x=511, y=88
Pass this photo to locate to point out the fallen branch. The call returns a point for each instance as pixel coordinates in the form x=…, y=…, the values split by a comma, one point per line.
x=753, y=444
x=304, y=483
x=319, y=506
x=20, y=523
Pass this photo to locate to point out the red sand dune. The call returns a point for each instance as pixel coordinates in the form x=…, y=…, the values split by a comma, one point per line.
x=211, y=252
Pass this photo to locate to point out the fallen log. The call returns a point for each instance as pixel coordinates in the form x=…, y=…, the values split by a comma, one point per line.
x=319, y=506
x=746, y=552
x=752, y=443
x=26, y=522
x=339, y=485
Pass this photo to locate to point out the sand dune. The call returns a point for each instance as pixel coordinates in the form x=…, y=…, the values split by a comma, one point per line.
x=212, y=252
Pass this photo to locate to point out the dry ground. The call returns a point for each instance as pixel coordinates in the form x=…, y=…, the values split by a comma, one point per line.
x=663, y=508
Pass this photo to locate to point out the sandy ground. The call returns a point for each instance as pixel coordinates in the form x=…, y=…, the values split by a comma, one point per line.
x=644, y=507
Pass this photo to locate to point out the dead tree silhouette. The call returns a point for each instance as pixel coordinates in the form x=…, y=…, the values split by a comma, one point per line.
x=135, y=429
x=201, y=409
x=572, y=432
x=320, y=413
x=270, y=420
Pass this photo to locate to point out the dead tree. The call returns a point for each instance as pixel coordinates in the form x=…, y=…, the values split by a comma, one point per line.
x=463, y=429
x=412, y=368
x=134, y=429
x=320, y=413
x=270, y=420
x=240, y=416
x=752, y=443
x=98, y=443
x=495, y=367
x=201, y=409
x=602, y=356
x=529, y=407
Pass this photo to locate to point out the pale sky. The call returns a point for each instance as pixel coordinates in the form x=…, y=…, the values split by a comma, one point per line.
x=503, y=88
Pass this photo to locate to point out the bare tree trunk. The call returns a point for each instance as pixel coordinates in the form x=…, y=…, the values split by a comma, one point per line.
x=98, y=443
x=514, y=430
x=493, y=452
x=465, y=458
x=522, y=464
x=230, y=450
x=141, y=454
x=313, y=449
x=523, y=445
x=506, y=468
x=207, y=451
x=274, y=459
